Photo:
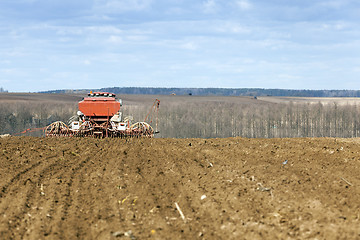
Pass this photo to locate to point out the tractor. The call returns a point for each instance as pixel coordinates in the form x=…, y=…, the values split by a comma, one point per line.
x=99, y=116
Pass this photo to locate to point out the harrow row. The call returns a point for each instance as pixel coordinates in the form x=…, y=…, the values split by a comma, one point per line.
x=92, y=129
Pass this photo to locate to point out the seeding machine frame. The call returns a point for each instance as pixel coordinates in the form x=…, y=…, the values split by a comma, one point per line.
x=99, y=116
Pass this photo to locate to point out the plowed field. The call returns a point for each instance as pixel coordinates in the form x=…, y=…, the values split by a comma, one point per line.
x=235, y=188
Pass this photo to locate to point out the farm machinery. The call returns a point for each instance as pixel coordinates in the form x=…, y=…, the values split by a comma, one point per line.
x=99, y=116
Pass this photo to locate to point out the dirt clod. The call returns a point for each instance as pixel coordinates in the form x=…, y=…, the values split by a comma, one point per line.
x=128, y=188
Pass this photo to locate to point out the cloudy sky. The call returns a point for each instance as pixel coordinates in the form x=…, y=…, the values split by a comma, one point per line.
x=70, y=44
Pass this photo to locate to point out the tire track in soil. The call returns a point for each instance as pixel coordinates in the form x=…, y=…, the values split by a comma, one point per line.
x=156, y=172
x=186, y=176
x=106, y=215
x=67, y=200
x=32, y=212
x=46, y=212
x=15, y=221
x=35, y=201
x=84, y=188
x=120, y=207
x=152, y=203
x=16, y=178
x=124, y=196
x=79, y=194
x=160, y=211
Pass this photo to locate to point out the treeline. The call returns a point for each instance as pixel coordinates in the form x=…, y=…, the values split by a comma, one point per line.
x=213, y=120
x=209, y=119
x=2, y=90
x=221, y=92
x=234, y=92
x=221, y=119
x=17, y=117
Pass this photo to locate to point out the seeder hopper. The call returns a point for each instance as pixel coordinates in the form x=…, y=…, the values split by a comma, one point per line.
x=99, y=116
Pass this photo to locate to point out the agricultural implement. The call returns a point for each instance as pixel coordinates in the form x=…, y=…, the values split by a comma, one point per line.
x=99, y=116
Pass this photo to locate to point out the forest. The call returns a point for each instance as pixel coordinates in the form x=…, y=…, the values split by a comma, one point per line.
x=219, y=91
x=206, y=117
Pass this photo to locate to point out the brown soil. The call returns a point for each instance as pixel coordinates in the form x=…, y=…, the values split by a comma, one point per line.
x=235, y=188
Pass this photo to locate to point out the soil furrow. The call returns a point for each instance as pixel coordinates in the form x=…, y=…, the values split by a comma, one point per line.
x=67, y=202
x=236, y=188
x=16, y=178
x=41, y=202
x=20, y=218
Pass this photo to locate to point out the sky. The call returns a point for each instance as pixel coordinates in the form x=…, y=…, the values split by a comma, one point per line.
x=77, y=44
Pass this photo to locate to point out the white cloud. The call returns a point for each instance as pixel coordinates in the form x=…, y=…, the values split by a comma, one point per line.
x=175, y=11
x=231, y=27
x=356, y=69
x=244, y=4
x=333, y=4
x=210, y=6
x=8, y=70
x=116, y=6
x=86, y=62
x=189, y=46
x=16, y=34
x=5, y=61
x=136, y=38
x=104, y=29
x=115, y=39
x=334, y=26
x=64, y=31
x=16, y=52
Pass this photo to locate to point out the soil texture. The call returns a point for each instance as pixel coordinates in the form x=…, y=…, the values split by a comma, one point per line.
x=233, y=188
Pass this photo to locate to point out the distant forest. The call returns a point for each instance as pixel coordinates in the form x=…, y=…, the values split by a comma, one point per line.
x=2, y=90
x=220, y=92
x=208, y=118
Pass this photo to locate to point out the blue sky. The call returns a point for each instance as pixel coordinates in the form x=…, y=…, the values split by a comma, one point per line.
x=291, y=44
